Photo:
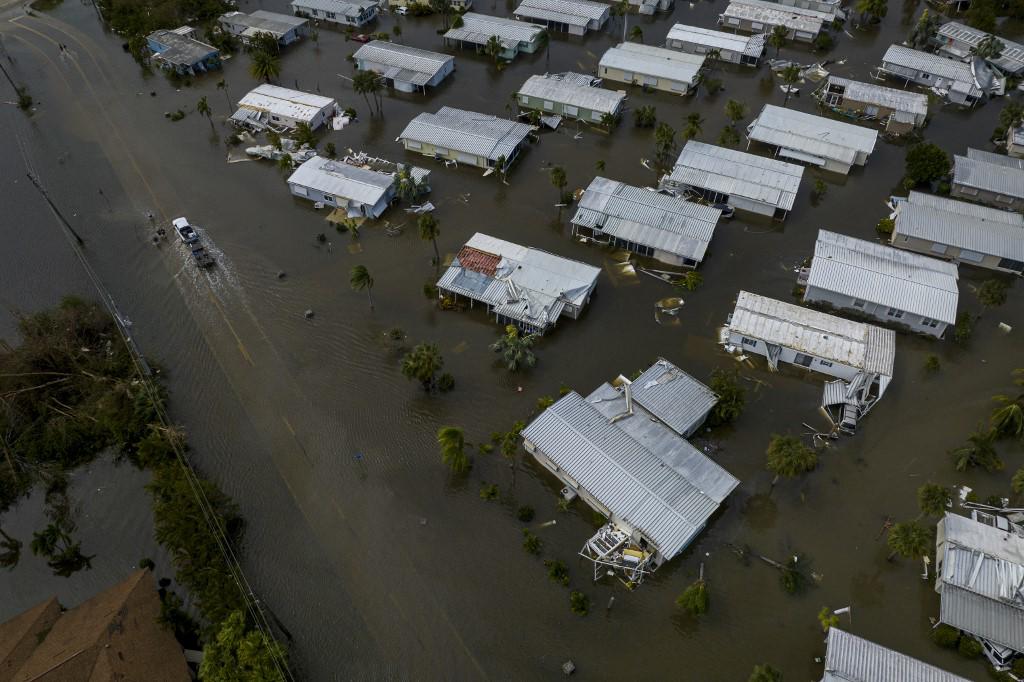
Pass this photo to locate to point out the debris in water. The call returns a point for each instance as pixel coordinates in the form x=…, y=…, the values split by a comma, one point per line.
x=1005, y=328
x=281, y=274
x=568, y=667
x=308, y=314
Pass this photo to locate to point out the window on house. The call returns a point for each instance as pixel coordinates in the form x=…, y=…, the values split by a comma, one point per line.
x=1010, y=264
x=749, y=342
x=409, y=144
x=929, y=322
x=938, y=248
x=595, y=115
x=925, y=76
x=1004, y=199
x=331, y=15
x=549, y=105
x=824, y=363
x=858, y=303
x=895, y=313
x=803, y=360
x=328, y=197
x=523, y=99
x=756, y=25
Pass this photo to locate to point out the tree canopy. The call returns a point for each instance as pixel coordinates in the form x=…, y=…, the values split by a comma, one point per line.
x=926, y=162
x=239, y=653
x=789, y=457
x=423, y=363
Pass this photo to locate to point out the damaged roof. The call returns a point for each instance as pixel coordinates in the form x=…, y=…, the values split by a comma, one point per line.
x=481, y=135
x=810, y=134
x=853, y=659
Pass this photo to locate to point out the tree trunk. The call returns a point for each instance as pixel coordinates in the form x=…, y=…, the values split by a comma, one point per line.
x=369, y=295
x=437, y=254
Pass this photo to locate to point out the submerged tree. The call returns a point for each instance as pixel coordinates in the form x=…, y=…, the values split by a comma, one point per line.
x=729, y=137
x=493, y=48
x=368, y=84
x=359, y=279
x=430, y=229
x=240, y=653
x=1008, y=420
x=923, y=31
x=933, y=499
x=827, y=619
x=910, y=540
x=664, y=143
x=790, y=76
x=926, y=162
x=778, y=38
x=10, y=551
x=636, y=34
x=873, y=10
x=695, y=599
x=979, y=451
x=203, y=109
x=303, y=135
x=452, y=442
x=765, y=673
x=731, y=397
x=62, y=553
x=787, y=456
x=264, y=66
x=735, y=111
x=645, y=116
x=516, y=349
x=693, y=127
x=423, y=363
x=559, y=180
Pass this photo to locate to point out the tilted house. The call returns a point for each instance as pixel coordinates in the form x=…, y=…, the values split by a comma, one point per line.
x=886, y=283
x=830, y=144
x=181, y=51
x=744, y=181
x=760, y=16
x=849, y=658
x=575, y=17
x=901, y=111
x=645, y=222
x=513, y=36
x=285, y=28
x=520, y=285
x=353, y=183
x=271, y=106
x=959, y=231
x=957, y=41
x=730, y=47
x=988, y=178
x=405, y=68
x=979, y=575
x=466, y=137
x=344, y=12
x=651, y=67
x=958, y=82
x=623, y=450
x=573, y=95
x=860, y=356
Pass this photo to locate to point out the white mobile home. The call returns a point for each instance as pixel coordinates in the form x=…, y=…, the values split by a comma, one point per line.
x=286, y=29
x=572, y=95
x=958, y=41
x=958, y=82
x=575, y=17
x=901, y=111
x=849, y=658
x=730, y=47
x=651, y=67
x=406, y=68
x=343, y=12
x=760, y=16
x=832, y=145
x=354, y=184
x=466, y=137
x=988, y=178
x=514, y=36
x=277, y=108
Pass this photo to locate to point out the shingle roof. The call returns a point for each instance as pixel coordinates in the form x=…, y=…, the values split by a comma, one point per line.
x=478, y=29
x=960, y=224
x=468, y=132
x=852, y=659
x=403, y=62
x=660, y=62
x=751, y=46
x=565, y=89
x=810, y=134
x=571, y=12
x=990, y=172
x=673, y=396
x=891, y=98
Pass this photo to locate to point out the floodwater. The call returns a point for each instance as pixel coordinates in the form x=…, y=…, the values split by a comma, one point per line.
x=377, y=563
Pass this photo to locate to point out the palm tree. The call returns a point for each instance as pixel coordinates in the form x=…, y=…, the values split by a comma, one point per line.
x=544, y=43
x=788, y=457
x=735, y=110
x=1017, y=482
x=444, y=7
x=933, y=499
x=265, y=66
x=765, y=673
x=285, y=163
x=790, y=75
x=429, y=231
x=493, y=48
x=875, y=9
x=910, y=540
x=223, y=85
x=694, y=125
x=559, y=180
x=396, y=31
x=695, y=599
x=979, y=451
x=1008, y=421
x=407, y=187
x=636, y=34
x=664, y=143
x=63, y=556
x=510, y=447
x=621, y=8
x=359, y=278
x=778, y=38
x=423, y=363
x=645, y=116
x=11, y=553
x=453, y=448
x=203, y=109
x=729, y=137
x=600, y=165
x=516, y=350
x=608, y=120
x=367, y=83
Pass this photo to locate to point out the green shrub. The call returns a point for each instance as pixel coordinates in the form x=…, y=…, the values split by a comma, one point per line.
x=969, y=647
x=992, y=293
x=945, y=636
x=531, y=543
x=488, y=491
x=964, y=328
x=579, y=603
x=557, y=571
x=525, y=513
x=885, y=226
x=445, y=382
x=932, y=364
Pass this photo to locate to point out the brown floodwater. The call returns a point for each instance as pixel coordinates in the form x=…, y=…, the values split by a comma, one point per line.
x=376, y=562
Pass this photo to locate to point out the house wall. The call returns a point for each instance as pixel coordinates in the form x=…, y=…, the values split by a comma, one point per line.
x=951, y=253
x=925, y=78
x=561, y=108
x=438, y=152
x=365, y=16
x=632, y=77
x=985, y=197
x=641, y=250
x=315, y=195
x=730, y=56
x=837, y=166
x=403, y=86
x=918, y=323
x=748, y=26
x=788, y=355
x=289, y=122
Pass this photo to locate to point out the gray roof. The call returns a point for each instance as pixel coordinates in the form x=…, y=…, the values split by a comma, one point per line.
x=774, y=14
x=934, y=64
x=648, y=60
x=809, y=134
x=571, y=12
x=273, y=99
x=262, y=21
x=990, y=172
x=478, y=29
x=402, y=62
x=344, y=180
x=891, y=98
x=737, y=173
x=854, y=344
x=852, y=659
x=646, y=217
x=639, y=469
x=960, y=224
x=964, y=37
x=468, y=132
x=881, y=274
x=180, y=48
x=673, y=396
x=343, y=7
x=752, y=46
x=568, y=89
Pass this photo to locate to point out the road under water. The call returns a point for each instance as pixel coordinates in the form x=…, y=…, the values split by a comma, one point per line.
x=373, y=558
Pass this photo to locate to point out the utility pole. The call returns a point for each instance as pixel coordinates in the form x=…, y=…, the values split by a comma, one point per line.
x=32, y=178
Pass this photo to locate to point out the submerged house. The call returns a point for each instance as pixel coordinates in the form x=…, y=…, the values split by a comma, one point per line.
x=520, y=285
x=573, y=95
x=744, y=181
x=273, y=107
x=405, y=68
x=886, y=283
x=181, y=51
x=361, y=185
x=729, y=47
x=760, y=16
x=285, y=28
x=859, y=356
x=979, y=575
x=623, y=451
x=651, y=67
x=830, y=144
x=651, y=6
x=645, y=222
x=343, y=12
x=849, y=658
x=901, y=111
x=575, y=17
x=514, y=36
x=958, y=82
x=1015, y=142
x=988, y=178
x=956, y=40
x=466, y=137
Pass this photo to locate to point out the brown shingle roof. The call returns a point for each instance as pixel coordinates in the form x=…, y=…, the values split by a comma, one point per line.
x=21, y=635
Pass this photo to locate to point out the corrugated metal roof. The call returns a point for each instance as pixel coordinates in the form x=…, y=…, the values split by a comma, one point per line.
x=418, y=66
x=751, y=46
x=1010, y=59
x=668, y=493
x=647, y=217
x=653, y=61
x=343, y=7
x=881, y=274
x=774, y=14
x=302, y=106
x=855, y=344
x=673, y=396
x=180, y=48
x=989, y=172
x=926, y=62
x=571, y=12
x=737, y=173
x=478, y=29
x=262, y=21
x=566, y=89
x=852, y=659
x=891, y=98
x=810, y=134
x=960, y=224
x=967, y=611
x=345, y=180
x=468, y=132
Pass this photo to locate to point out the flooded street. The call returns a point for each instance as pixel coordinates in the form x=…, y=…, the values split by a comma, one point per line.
x=357, y=539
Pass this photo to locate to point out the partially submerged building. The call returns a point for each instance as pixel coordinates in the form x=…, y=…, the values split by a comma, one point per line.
x=651, y=67
x=477, y=29
x=729, y=47
x=403, y=67
x=885, y=283
x=744, y=181
x=284, y=28
x=572, y=95
x=760, y=16
x=623, y=451
x=958, y=82
x=273, y=107
x=575, y=17
x=979, y=575
x=830, y=144
x=988, y=178
x=900, y=111
x=520, y=285
x=859, y=356
x=466, y=137
x=360, y=185
x=849, y=658
x=651, y=6
x=1015, y=142
x=645, y=222
x=958, y=41
x=343, y=12
x=181, y=51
